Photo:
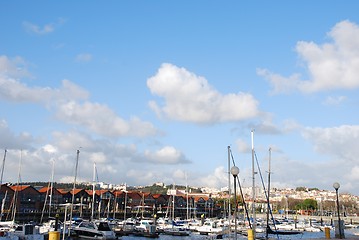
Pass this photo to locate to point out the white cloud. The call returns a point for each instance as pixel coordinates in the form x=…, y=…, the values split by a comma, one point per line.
x=10, y=140
x=330, y=66
x=94, y=116
x=340, y=142
x=218, y=179
x=33, y=28
x=333, y=101
x=50, y=148
x=13, y=68
x=354, y=174
x=243, y=146
x=11, y=89
x=84, y=57
x=42, y=30
x=179, y=174
x=102, y=120
x=188, y=97
x=166, y=155
x=97, y=157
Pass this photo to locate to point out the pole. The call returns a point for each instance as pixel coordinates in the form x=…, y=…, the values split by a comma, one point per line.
x=339, y=222
x=253, y=188
x=2, y=173
x=73, y=189
x=268, y=198
x=124, y=212
x=235, y=208
x=2, y=167
x=93, y=191
x=51, y=185
x=64, y=227
x=187, y=210
x=229, y=189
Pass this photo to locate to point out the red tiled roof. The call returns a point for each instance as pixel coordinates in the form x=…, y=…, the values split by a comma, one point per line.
x=75, y=191
x=157, y=195
x=44, y=189
x=63, y=191
x=90, y=192
x=102, y=191
x=19, y=187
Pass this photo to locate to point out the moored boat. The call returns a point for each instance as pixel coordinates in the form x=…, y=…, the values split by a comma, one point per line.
x=98, y=229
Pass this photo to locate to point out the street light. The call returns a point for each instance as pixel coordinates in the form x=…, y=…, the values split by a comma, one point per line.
x=234, y=172
x=336, y=186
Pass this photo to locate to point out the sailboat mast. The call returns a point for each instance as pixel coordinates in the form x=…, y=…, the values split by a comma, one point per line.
x=2, y=167
x=74, y=187
x=173, y=203
x=229, y=186
x=115, y=206
x=124, y=211
x=187, y=199
x=2, y=174
x=268, y=191
x=51, y=185
x=253, y=186
x=16, y=191
x=93, y=190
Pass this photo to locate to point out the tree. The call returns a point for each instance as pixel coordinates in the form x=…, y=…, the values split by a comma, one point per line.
x=307, y=204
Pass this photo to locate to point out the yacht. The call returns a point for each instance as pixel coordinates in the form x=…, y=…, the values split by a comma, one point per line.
x=98, y=229
x=211, y=226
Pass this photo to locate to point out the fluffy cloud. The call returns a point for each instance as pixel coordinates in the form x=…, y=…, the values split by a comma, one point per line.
x=330, y=66
x=102, y=120
x=188, y=97
x=166, y=155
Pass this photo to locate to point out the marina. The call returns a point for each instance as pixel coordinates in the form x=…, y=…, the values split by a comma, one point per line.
x=97, y=214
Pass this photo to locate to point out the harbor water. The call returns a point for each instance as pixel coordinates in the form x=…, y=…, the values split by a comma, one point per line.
x=304, y=235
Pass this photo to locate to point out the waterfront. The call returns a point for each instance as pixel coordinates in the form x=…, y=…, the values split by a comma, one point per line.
x=304, y=235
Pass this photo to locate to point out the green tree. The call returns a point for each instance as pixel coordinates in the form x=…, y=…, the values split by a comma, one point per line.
x=307, y=204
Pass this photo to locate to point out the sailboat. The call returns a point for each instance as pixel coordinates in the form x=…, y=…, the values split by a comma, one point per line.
x=94, y=228
x=174, y=227
x=21, y=231
x=269, y=230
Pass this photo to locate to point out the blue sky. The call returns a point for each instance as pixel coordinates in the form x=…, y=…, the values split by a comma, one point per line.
x=155, y=91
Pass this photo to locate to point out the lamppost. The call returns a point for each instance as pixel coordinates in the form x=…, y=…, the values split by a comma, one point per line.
x=336, y=186
x=234, y=172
